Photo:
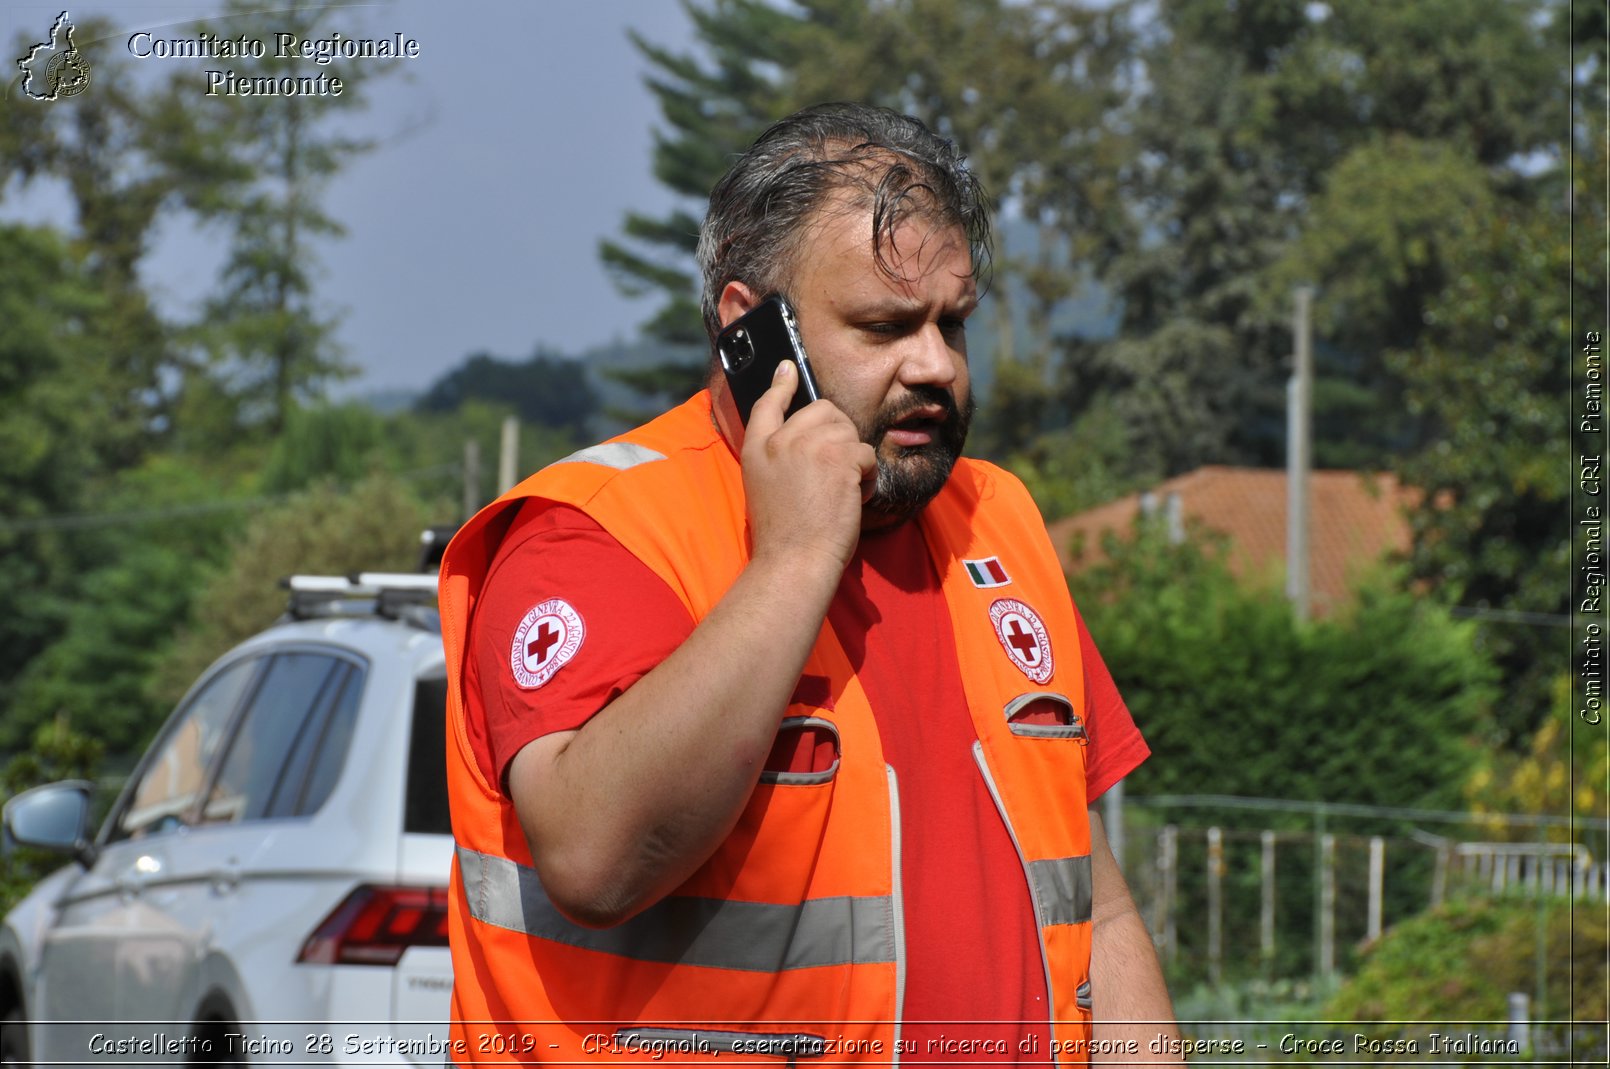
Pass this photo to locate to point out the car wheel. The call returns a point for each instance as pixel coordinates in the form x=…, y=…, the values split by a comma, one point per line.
x=13, y=1038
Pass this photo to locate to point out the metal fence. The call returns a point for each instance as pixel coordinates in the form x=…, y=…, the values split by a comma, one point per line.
x=1266, y=889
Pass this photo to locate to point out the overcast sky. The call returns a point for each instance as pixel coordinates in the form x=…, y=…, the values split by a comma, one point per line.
x=520, y=136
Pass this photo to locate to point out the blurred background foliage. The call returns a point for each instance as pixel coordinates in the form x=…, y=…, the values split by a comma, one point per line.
x=1456, y=962
x=1383, y=703
x=1164, y=175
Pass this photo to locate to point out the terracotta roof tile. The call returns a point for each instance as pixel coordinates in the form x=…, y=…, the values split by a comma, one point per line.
x=1355, y=519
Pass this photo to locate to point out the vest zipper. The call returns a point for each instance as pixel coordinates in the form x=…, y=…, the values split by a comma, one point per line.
x=896, y=892
x=1028, y=879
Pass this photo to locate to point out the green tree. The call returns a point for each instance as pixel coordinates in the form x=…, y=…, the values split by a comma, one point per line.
x=1439, y=241
x=339, y=443
x=98, y=669
x=1564, y=771
x=85, y=360
x=120, y=478
x=326, y=530
x=1383, y=704
x=1174, y=150
x=129, y=155
x=128, y=570
x=58, y=751
x=263, y=329
x=59, y=426
x=1485, y=376
x=713, y=110
x=1076, y=467
x=546, y=389
x=92, y=379
x=1246, y=113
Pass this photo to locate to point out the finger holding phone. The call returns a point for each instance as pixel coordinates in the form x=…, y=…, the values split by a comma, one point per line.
x=806, y=470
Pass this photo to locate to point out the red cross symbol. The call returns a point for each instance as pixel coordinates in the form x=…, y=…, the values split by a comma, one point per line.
x=1023, y=641
x=547, y=635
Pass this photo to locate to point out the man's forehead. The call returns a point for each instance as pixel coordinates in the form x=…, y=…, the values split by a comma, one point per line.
x=917, y=241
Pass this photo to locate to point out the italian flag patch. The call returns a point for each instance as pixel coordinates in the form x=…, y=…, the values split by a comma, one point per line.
x=987, y=572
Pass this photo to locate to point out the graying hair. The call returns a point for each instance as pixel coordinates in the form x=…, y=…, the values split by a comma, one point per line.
x=895, y=165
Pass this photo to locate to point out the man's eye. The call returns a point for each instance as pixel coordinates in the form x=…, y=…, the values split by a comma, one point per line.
x=883, y=329
x=953, y=326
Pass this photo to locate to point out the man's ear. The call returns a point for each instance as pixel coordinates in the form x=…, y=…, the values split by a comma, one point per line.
x=736, y=299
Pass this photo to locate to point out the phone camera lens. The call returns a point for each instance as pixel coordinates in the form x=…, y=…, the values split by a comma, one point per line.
x=741, y=348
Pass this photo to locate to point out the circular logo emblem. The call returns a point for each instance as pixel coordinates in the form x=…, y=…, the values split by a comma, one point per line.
x=66, y=75
x=1024, y=637
x=547, y=638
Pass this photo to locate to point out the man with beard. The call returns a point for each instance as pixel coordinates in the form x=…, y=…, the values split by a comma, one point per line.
x=779, y=740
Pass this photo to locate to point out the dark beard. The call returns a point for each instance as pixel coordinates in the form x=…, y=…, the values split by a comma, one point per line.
x=916, y=474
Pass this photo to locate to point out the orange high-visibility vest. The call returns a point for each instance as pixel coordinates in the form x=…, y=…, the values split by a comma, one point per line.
x=788, y=941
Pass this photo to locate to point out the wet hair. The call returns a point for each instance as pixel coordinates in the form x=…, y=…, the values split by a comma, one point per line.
x=889, y=163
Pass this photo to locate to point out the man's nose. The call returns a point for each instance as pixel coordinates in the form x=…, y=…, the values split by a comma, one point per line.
x=930, y=358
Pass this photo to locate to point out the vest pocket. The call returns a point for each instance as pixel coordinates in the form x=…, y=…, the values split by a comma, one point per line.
x=785, y=819
x=805, y=752
x=1044, y=714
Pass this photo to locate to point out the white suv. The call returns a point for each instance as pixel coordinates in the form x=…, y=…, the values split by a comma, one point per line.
x=270, y=886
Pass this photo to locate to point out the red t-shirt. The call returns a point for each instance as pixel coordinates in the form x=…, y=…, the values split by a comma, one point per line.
x=972, y=950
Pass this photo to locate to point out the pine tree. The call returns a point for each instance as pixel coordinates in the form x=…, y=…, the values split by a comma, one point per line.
x=263, y=330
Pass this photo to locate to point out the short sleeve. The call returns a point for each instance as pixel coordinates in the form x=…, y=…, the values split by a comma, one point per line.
x=567, y=621
x=1116, y=745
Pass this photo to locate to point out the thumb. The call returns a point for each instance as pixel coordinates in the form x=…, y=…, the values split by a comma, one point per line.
x=771, y=408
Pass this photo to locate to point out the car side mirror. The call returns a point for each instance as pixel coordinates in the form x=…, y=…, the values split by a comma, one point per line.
x=53, y=817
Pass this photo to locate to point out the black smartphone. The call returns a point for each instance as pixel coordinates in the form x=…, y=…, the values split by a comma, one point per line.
x=752, y=346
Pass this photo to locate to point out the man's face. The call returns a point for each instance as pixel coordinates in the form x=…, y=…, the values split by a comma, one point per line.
x=890, y=348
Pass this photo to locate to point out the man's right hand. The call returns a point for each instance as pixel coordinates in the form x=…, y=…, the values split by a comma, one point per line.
x=805, y=478
x=624, y=809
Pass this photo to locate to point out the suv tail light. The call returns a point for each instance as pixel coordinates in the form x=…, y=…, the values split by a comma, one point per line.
x=375, y=925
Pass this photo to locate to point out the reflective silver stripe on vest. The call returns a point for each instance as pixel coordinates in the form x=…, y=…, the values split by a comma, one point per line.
x=1062, y=888
x=712, y=932
x=618, y=455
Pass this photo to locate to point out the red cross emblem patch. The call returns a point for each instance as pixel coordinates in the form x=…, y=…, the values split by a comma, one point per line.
x=1024, y=638
x=547, y=638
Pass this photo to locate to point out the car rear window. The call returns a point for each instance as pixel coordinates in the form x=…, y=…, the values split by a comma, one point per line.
x=330, y=745
x=426, y=808
x=290, y=701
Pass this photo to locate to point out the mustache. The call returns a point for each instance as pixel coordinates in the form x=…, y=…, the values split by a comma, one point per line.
x=918, y=397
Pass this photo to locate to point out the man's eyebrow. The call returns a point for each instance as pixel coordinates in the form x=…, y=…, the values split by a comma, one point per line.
x=893, y=307
x=900, y=307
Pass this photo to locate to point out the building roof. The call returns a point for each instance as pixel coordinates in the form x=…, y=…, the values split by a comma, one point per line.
x=1355, y=519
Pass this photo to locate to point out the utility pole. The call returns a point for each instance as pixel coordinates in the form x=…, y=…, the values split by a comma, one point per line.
x=1266, y=918
x=1215, y=892
x=1299, y=403
x=508, y=455
x=1112, y=819
x=472, y=477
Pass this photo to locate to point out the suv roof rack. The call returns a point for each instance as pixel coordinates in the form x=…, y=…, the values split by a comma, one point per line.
x=401, y=596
